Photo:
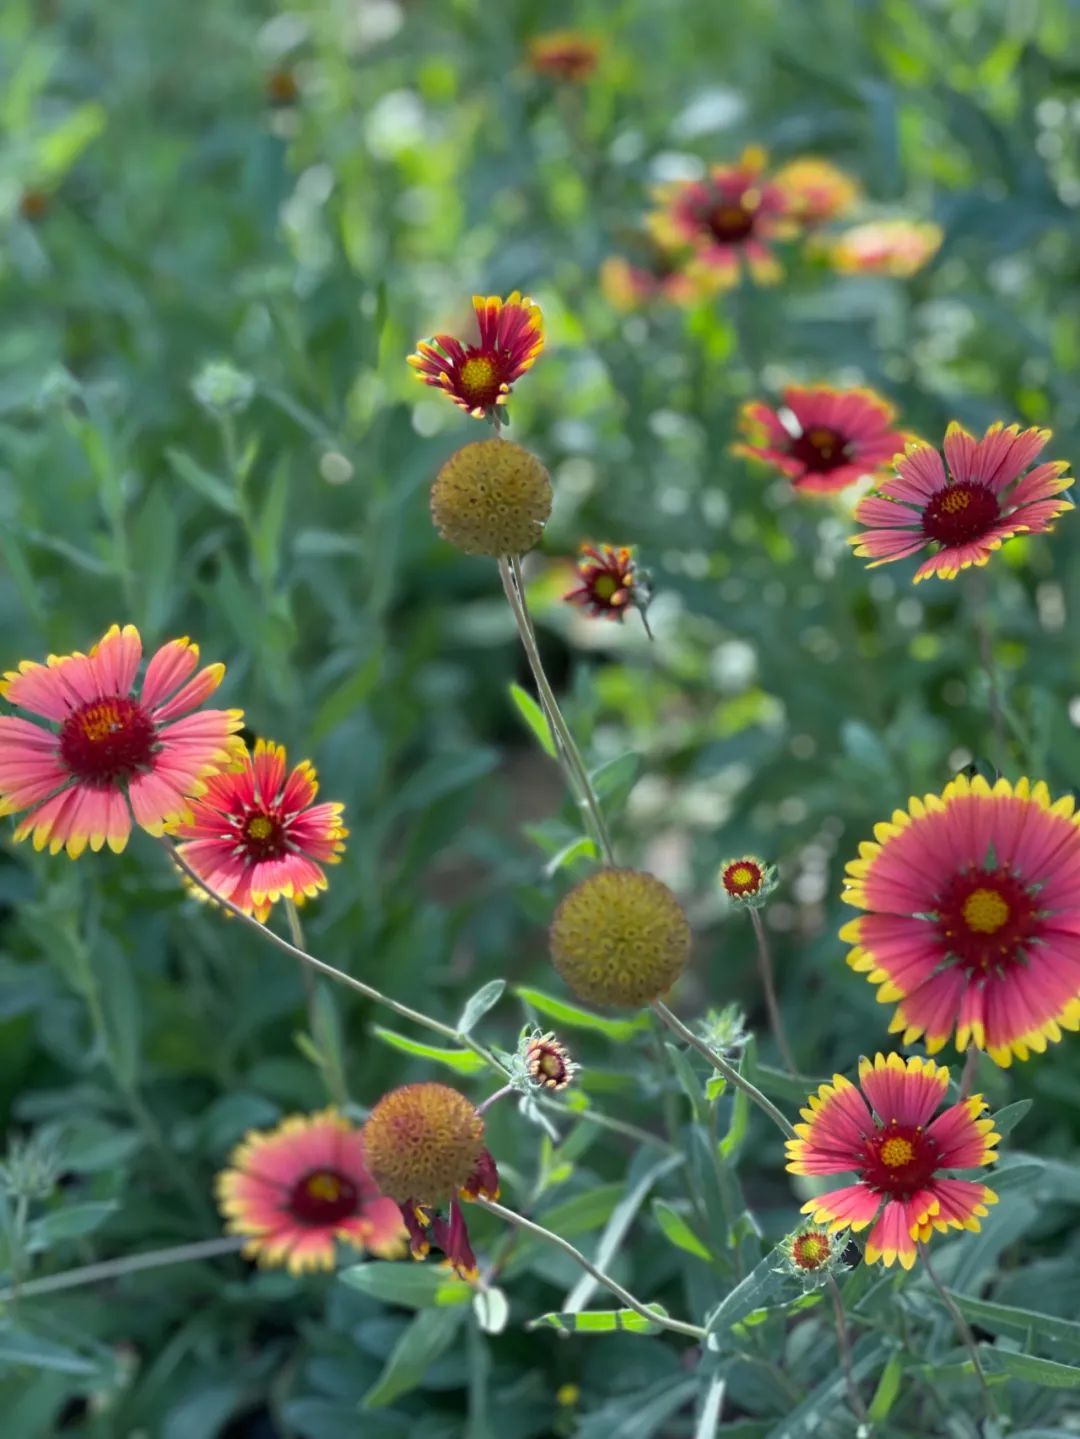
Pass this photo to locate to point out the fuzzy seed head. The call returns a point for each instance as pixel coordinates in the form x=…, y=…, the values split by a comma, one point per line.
x=491, y=498
x=620, y=937
x=422, y=1143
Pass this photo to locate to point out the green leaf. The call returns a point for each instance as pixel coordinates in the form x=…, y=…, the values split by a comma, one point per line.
x=709, y=1418
x=714, y=1087
x=688, y=1079
x=441, y=776
x=485, y=998
x=464, y=1061
x=619, y=1030
x=581, y=848
x=416, y=1286
x=1023, y=1323
x=58, y=151
x=535, y=718
x=268, y=529
x=749, y=1294
x=600, y=1321
x=887, y=1390
x=18, y=1347
x=676, y=1229
x=1046, y=1372
x=70, y=1223
x=491, y=1308
x=210, y=487
x=1006, y=1120
x=430, y=1334
x=585, y=1212
x=614, y=779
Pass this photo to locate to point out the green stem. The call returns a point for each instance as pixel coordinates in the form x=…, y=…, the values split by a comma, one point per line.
x=577, y=774
x=130, y=1264
x=962, y=1328
x=677, y=1326
x=980, y=616
x=720, y=1064
x=843, y=1345
x=765, y=973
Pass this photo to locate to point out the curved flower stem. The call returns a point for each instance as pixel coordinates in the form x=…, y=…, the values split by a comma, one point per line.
x=765, y=973
x=129, y=1264
x=485, y=1104
x=962, y=1328
x=720, y=1064
x=375, y=995
x=843, y=1344
x=693, y=1331
x=577, y=775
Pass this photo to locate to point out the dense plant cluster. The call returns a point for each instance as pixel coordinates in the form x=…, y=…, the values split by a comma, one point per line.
x=431, y=1124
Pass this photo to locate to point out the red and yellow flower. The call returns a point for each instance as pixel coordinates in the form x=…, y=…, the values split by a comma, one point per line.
x=256, y=835
x=884, y=1135
x=547, y=1062
x=425, y=1146
x=821, y=438
x=564, y=55
x=478, y=376
x=748, y=879
x=988, y=495
x=816, y=190
x=810, y=1249
x=885, y=247
x=294, y=1190
x=972, y=922
x=108, y=750
x=627, y=285
x=606, y=576
x=727, y=221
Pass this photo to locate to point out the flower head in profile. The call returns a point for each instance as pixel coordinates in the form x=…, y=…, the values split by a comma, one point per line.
x=728, y=220
x=885, y=1136
x=620, y=937
x=607, y=581
x=885, y=247
x=102, y=749
x=972, y=920
x=988, y=495
x=478, y=375
x=816, y=190
x=294, y=1190
x=748, y=880
x=547, y=1062
x=492, y=498
x=657, y=276
x=425, y=1148
x=257, y=836
x=822, y=439
x=564, y=55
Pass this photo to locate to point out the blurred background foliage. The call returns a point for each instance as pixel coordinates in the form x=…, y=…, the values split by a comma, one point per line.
x=302, y=193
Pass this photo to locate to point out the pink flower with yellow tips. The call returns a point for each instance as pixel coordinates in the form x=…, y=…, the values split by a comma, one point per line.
x=823, y=439
x=885, y=1136
x=102, y=750
x=478, y=376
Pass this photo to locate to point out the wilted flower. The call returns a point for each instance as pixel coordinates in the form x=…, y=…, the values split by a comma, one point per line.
x=256, y=835
x=620, y=937
x=425, y=1148
x=479, y=376
x=973, y=917
x=885, y=247
x=548, y=1062
x=821, y=438
x=748, y=880
x=607, y=579
x=223, y=389
x=897, y=1157
x=984, y=500
x=564, y=55
x=493, y=498
x=105, y=753
x=816, y=190
x=294, y=1190
x=726, y=220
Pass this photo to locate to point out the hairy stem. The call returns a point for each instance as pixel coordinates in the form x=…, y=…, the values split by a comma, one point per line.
x=843, y=1345
x=720, y=1064
x=677, y=1326
x=765, y=974
x=577, y=774
x=962, y=1328
x=129, y=1264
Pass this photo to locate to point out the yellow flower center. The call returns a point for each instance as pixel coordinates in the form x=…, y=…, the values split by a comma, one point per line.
x=985, y=911
x=895, y=1153
x=605, y=586
x=100, y=721
x=477, y=375
x=322, y=1185
x=823, y=441
x=260, y=827
x=741, y=875
x=955, y=500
